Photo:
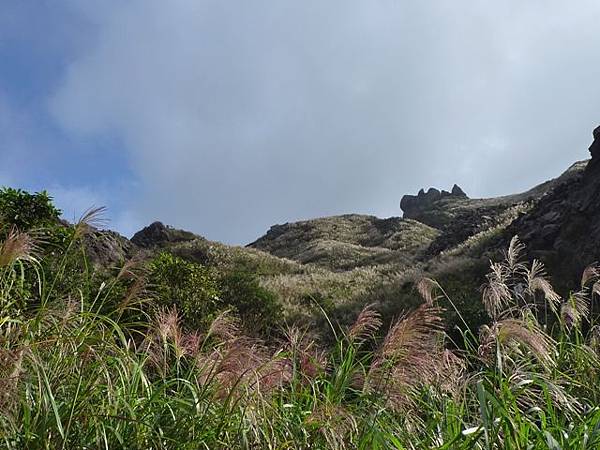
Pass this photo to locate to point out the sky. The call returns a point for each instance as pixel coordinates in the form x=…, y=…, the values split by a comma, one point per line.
x=225, y=117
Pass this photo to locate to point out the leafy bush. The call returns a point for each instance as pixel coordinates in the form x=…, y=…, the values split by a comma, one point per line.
x=191, y=287
x=258, y=307
x=200, y=293
x=25, y=210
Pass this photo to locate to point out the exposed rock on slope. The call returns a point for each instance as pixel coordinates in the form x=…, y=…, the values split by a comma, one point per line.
x=434, y=221
x=158, y=235
x=107, y=248
x=419, y=206
x=459, y=217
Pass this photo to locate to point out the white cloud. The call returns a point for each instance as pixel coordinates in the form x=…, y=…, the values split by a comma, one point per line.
x=241, y=114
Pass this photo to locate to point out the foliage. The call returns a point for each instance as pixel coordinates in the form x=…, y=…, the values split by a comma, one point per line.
x=189, y=286
x=258, y=307
x=25, y=210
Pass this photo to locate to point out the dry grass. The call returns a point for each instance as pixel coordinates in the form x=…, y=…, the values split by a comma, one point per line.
x=17, y=246
x=409, y=356
x=73, y=377
x=512, y=335
x=367, y=323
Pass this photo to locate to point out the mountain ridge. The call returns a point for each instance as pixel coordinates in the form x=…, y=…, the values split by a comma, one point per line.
x=343, y=262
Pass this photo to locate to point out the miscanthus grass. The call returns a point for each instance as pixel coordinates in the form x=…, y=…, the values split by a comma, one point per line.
x=89, y=371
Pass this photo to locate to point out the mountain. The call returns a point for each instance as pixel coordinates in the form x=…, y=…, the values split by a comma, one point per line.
x=340, y=263
x=349, y=241
x=433, y=222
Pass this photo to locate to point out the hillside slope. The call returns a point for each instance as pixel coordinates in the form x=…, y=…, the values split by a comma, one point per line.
x=433, y=222
x=339, y=263
x=348, y=241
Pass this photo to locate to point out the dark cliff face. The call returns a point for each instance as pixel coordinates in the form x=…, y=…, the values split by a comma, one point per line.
x=563, y=229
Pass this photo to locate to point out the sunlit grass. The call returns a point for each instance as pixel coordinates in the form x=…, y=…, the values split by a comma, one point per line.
x=81, y=370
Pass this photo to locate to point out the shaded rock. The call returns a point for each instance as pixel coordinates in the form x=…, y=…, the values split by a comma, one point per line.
x=108, y=248
x=158, y=235
x=595, y=147
x=552, y=216
x=457, y=191
x=417, y=206
x=459, y=217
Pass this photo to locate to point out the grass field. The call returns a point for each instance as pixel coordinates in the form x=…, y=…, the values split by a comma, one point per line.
x=88, y=364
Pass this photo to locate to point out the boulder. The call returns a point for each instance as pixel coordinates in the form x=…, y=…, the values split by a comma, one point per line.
x=158, y=235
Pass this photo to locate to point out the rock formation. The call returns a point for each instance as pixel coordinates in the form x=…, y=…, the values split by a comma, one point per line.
x=157, y=234
x=418, y=206
x=106, y=248
x=595, y=147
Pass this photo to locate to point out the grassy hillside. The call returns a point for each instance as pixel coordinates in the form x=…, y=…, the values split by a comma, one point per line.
x=90, y=360
x=340, y=332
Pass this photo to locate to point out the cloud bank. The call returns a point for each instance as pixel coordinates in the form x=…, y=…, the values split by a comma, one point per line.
x=237, y=115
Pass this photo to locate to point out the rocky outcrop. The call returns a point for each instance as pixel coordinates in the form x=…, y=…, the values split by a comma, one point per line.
x=459, y=217
x=107, y=248
x=414, y=206
x=159, y=235
x=595, y=147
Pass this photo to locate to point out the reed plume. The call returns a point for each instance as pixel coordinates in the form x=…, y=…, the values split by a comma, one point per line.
x=17, y=246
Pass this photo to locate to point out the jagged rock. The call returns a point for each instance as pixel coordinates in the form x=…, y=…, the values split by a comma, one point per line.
x=419, y=207
x=457, y=191
x=158, y=235
x=107, y=248
x=595, y=147
x=459, y=217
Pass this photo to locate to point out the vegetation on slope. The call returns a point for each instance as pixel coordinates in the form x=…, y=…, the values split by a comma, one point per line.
x=109, y=359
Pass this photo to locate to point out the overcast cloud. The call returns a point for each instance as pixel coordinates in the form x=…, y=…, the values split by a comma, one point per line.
x=235, y=115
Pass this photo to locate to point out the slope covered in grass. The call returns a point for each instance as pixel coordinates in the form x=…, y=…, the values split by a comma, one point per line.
x=86, y=363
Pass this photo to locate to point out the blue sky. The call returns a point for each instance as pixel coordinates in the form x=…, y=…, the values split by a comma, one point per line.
x=38, y=41
x=227, y=117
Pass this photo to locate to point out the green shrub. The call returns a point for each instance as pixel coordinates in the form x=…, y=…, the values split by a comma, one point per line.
x=25, y=210
x=191, y=287
x=258, y=307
